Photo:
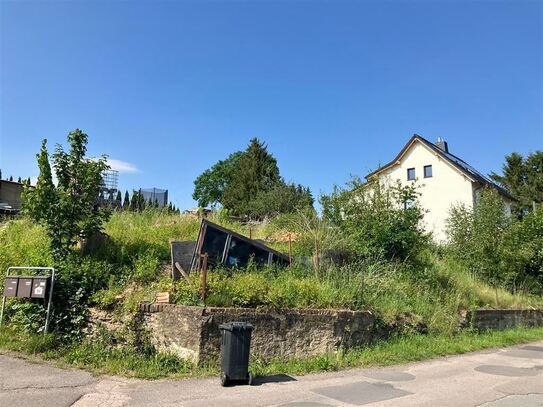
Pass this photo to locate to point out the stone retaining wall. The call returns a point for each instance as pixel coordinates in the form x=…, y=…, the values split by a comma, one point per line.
x=193, y=332
x=500, y=319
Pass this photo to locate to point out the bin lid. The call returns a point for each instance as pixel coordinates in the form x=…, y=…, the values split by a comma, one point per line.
x=236, y=326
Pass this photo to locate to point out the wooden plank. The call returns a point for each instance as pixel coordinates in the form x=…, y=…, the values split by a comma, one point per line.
x=162, y=298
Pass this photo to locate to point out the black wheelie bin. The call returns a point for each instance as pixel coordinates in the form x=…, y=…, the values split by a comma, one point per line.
x=235, y=346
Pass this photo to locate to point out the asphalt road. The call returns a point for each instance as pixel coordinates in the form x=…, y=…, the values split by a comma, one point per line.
x=508, y=377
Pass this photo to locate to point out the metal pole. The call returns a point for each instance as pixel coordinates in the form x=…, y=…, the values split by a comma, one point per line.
x=48, y=314
x=2, y=310
x=203, y=279
x=3, y=301
x=316, y=256
x=289, y=249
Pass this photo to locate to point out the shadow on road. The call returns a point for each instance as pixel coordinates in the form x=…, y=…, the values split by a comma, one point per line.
x=277, y=378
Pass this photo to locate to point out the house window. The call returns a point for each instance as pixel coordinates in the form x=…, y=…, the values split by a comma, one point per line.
x=410, y=174
x=427, y=171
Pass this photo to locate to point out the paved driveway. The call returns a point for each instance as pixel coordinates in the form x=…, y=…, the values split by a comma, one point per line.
x=501, y=378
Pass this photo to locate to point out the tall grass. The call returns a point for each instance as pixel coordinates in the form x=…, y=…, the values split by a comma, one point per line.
x=23, y=243
x=137, y=254
x=133, y=233
x=403, y=349
x=432, y=298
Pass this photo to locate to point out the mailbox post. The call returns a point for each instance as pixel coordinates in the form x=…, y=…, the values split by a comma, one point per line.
x=29, y=287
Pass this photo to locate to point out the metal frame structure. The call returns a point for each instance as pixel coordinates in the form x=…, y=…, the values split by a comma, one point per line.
x=52, y=270
x=108, y=188
x=201, y=234
x=110, y=180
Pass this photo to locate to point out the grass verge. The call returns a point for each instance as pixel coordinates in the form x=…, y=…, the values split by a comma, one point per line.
x=403, y=349
x=101, y=359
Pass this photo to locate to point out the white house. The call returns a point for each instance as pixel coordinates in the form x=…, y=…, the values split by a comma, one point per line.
x=444, y=179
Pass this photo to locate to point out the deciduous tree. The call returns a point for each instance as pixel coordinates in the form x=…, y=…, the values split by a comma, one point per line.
x=68, y=210
x=210, y=185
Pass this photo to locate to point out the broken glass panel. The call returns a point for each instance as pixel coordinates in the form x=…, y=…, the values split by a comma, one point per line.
x=213, y=244
x=240, y=253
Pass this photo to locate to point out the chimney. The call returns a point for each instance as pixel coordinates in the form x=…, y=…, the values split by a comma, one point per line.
x=442, y=144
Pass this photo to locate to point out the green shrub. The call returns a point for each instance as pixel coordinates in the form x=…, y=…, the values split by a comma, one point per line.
x=146, y=268
x=307, y=292
x=105, y=299
x=501, y=250
x=381, y=220
x=248, y=289
x=26, y=315
x=524, y=248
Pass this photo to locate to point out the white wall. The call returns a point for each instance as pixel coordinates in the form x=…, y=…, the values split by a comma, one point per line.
x=448, y=186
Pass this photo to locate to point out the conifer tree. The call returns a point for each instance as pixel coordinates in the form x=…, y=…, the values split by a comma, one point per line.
x=126, y=203
x=523, y=178
x=256, y=172
x=134, y=201
x=141, y=201
x=119, y=200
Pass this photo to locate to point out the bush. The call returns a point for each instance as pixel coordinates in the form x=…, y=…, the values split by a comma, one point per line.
x=524, y=245
x=146, y=268
x=27, y=316
x=383, y=221
x=248, y=289
x=501, y=250
x=105, y=299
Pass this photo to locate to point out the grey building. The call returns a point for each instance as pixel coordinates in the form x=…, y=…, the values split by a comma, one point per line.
x=10, y=196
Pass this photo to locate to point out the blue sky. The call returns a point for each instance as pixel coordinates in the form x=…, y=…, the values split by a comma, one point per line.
x=334, y=88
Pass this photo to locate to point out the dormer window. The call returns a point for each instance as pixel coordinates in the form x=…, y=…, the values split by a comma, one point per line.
x=410, y=174
x=427, y=171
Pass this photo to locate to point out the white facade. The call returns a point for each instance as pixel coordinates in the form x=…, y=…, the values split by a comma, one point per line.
x=448, y=185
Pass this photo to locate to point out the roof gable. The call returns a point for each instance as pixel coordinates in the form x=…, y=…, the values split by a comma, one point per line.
x=455, y=161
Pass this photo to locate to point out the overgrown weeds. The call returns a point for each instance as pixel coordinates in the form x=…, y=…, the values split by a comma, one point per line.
x=403, y=349
x=102, y=358
x=133, y=265
x=432, y=298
